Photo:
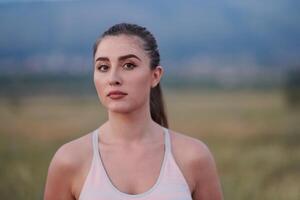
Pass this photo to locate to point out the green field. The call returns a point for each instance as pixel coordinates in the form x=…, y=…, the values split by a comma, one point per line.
x=253, y=135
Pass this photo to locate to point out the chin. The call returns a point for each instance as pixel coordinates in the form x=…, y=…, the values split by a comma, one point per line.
x=119, y=108
x=124, y=106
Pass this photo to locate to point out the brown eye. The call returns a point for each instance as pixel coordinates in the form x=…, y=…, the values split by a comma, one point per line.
x=103, y=68
x=129, y=66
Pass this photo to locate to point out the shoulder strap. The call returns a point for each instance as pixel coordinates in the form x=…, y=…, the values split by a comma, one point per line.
x=95, y=142
x=167, y=140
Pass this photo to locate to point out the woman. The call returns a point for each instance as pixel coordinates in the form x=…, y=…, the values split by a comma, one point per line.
x=133, y=155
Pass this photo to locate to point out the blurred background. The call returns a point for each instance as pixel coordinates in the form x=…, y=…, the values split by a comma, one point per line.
x=232, y=80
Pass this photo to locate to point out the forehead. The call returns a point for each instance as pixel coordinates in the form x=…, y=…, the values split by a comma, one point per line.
x=115, y=46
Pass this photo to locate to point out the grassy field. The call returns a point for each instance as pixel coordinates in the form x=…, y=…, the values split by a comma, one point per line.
x=253, y=136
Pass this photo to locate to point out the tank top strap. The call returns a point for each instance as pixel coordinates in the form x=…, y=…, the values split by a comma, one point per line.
x=167, y=140
x=95, y=143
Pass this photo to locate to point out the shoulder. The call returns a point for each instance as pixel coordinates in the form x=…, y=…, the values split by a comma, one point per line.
x=197, y=163
x=66, y=166
x=194, y=150
x=70, y=154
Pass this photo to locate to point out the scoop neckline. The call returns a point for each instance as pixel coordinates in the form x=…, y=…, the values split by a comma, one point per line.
x=152, y=188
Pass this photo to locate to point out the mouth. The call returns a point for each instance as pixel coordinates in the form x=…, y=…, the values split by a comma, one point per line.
x=116, y=94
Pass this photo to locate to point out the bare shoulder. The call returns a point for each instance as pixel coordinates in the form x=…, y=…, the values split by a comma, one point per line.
x=67, y=166
x=197, y=163
x=70, y=154
x=193, y=149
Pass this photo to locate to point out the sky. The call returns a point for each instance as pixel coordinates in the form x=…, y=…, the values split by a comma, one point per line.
x=202, y=35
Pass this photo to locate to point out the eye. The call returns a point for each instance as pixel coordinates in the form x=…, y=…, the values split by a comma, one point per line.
x=103, y=68
x=129, y=66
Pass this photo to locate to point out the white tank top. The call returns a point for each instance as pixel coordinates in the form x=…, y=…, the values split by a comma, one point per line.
x=170, y=185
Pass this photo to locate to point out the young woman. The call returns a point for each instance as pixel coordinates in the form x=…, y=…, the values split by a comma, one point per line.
x=133, y=155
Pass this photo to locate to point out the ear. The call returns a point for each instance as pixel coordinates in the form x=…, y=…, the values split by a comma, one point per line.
x=157, y=73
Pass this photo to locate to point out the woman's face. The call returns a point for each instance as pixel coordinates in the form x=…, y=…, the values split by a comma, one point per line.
x=122, y=65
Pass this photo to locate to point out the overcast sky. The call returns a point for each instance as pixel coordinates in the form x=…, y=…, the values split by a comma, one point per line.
x=255, y=32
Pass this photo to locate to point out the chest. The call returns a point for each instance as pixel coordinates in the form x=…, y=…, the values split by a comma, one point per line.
x=133, y=171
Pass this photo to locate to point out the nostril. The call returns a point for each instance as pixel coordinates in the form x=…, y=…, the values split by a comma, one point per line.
x=114, y=83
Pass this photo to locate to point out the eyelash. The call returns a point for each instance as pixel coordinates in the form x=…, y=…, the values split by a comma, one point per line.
x=131, y=64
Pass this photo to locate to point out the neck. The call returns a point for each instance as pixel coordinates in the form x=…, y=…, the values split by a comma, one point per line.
x=133, y=127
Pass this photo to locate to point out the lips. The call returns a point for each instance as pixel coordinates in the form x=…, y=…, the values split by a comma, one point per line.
x=116, y=94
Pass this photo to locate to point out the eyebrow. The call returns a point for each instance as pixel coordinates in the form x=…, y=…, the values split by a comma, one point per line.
x=120, y=58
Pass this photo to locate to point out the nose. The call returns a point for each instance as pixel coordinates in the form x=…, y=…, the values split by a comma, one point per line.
x=114, y=78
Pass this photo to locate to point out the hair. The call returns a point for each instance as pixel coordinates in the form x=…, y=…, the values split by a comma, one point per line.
x=157, y=107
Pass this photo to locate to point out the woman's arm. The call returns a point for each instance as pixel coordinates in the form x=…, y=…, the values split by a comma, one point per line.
x=60, y=173
x=207, y=183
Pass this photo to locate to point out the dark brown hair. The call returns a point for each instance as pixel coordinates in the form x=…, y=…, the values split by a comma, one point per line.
x=157, y=108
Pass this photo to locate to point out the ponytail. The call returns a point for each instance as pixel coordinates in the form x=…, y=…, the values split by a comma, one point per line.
x=157, y=108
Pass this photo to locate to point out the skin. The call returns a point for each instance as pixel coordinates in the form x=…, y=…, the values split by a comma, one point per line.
x=130, y=132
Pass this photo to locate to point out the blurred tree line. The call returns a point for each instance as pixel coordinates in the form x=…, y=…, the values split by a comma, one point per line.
x=14, y=87
x=292, y=87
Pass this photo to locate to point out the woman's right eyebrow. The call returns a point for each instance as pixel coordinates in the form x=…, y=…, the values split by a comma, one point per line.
x=102, y=59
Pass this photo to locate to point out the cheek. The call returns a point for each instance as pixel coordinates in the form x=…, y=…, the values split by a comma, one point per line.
x=140, y=84
x=99, y=85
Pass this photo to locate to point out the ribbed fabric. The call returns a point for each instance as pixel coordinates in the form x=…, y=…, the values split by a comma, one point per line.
x=170, y=185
